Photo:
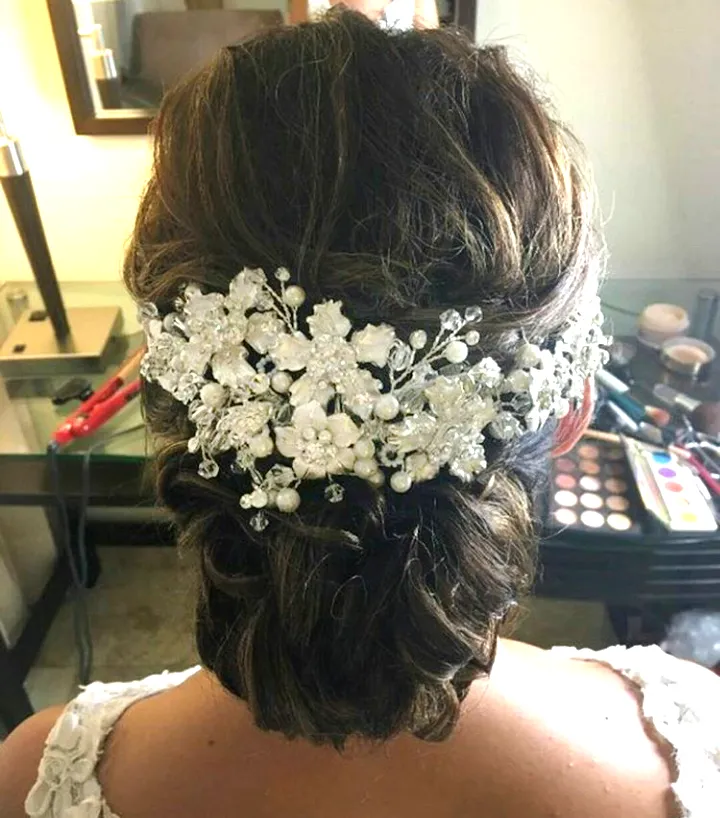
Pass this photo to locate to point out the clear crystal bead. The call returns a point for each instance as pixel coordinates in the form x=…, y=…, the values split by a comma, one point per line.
x=237, y=467
x=147, y=310
x=400, y=357
x=281, y=476
x=390, y=457
x=473, y=314
x=334, y=493
x=259, y=521
x=423, y=372
x=282, y=275
x=451, y=320
x=412, y=401
x=208, y=469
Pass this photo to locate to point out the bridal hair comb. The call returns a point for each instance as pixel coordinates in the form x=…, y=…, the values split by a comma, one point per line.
x=312, y=398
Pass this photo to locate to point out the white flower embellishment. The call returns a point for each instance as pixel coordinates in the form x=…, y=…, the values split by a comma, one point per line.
x=317, y=444
x=288, y=405
x=372, y=345
x=327, y=319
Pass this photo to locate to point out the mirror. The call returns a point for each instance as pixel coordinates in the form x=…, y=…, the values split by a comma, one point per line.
x=117, y=56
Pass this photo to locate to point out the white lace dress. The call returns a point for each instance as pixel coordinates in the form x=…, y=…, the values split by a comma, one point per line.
x=680, y=701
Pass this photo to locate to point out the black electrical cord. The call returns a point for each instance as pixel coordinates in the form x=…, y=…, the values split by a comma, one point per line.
x=81, y=620
x=79, y=569
x=85, y=492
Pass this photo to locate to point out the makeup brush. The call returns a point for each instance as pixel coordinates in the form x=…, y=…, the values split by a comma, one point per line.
x=642, y=430
x=638, y=411
x=705, y=417
x=618, y=392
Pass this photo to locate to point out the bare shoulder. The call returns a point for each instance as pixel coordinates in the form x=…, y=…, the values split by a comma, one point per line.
x=20, y=756
x=568, y=739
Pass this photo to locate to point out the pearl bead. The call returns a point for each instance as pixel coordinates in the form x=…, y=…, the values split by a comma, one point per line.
x=456, y=352
x=418, y=339
x=364, y=449
x=288, y=500
x=528, y=355
x=364, y=467
x=387, y=407
x=472, y=338
x=168, y=322
x=309, y=434
x=261, y=446
x=259, y=498
x=517, y=381
x=281, y=382
x=325, y=436
x=377, y=479
x=294, y=296
x=401, y=482
x=213, y=395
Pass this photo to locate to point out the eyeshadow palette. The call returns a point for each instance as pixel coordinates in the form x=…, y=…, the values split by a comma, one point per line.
x=669, y=489
x=593, y=489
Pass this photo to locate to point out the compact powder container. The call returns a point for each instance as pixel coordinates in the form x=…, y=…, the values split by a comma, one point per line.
x=658, y=322
x=687, y=356
x=593, y=489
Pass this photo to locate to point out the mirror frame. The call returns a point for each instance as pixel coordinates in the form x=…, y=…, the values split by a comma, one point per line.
x=126, y=121
x=86, y=119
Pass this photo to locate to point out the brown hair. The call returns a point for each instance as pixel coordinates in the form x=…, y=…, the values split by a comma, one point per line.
x=403, y=173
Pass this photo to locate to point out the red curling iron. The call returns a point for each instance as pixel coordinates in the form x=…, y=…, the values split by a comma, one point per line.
x=107, y=401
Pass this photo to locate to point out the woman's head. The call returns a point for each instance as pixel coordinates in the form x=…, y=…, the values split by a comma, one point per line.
x=403, y=174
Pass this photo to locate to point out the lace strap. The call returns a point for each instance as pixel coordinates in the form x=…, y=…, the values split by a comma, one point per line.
x=681, y=701
x=66, y=776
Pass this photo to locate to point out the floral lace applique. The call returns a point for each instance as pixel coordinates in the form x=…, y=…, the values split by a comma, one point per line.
x=682, y=703
x=66, y=786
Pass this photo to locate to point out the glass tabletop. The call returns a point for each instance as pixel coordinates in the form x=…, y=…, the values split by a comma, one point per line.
x=28, y=417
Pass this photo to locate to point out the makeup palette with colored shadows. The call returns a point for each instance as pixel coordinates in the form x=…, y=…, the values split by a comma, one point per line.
x=593, y=489
x=669, y=489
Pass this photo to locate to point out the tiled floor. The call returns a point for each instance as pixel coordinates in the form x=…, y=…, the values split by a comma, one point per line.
x=141, y=613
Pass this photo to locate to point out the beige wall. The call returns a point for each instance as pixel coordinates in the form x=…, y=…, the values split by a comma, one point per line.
x=638, y=80
x=681, y=46
x=589, y=52
x=87, y=187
